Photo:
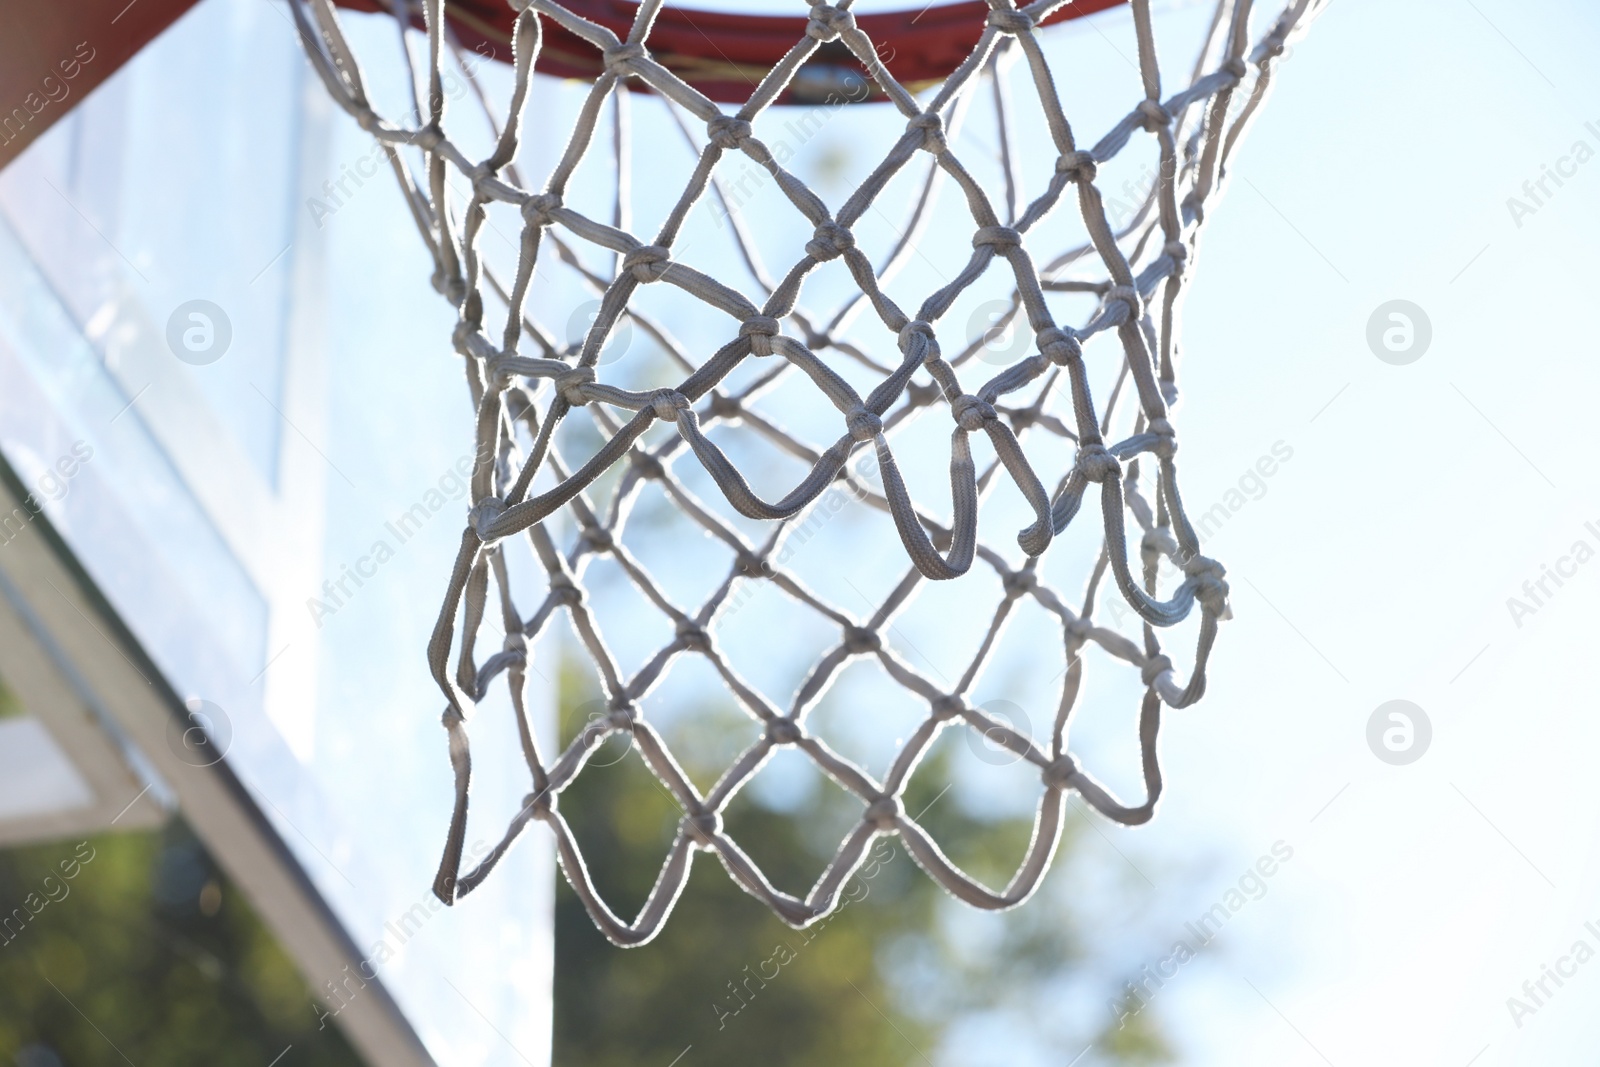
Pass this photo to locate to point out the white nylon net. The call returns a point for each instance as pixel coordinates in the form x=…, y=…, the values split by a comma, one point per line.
x=522, y=480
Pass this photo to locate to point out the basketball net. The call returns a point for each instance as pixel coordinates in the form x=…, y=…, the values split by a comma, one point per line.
x=523, y=384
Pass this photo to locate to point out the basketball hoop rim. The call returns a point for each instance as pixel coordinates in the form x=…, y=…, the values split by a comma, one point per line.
x=726, y=54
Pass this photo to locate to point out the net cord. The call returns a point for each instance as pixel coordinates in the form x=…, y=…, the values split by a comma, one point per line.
x=1195, y=135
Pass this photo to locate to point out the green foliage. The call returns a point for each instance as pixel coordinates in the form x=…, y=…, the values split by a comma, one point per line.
x=724, y=976
x=10, y=707
x=1135, y=1037
x=147, y=955
x=729, y=979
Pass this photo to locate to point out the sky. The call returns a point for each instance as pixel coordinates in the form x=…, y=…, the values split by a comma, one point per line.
x=1392, y=554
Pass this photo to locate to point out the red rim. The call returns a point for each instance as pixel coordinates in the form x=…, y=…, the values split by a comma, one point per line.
x=53, y=55
x=725, y=55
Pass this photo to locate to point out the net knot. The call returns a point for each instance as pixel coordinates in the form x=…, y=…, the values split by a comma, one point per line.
x=647, y=263
x=948, y=707
x=1155, y=116
x=598, y=539
x=1009, y=20
x=1154, y=668
x=500, y=378
x=970, y=412
x=622, y=716
x=1097, y=464
x=830, y=241
x=516, y=644
x=1078, y=166
x=863, y=424
x=619, y=60
x=1059, y=346
x=911, y=330
x=540, y=805
x=1177, y=251
x=1061, y=771
x=1167, y=442
x=1236, y=67
x=761, y=329
x=1210, y=588
x=999, y=238
x=783, y=731
x=1018, y=583
x=564, y=593
x=703, y=828
x=859, y=641
x=537, y=208
x=483, y=514
x=428, y=138
x=483, y=179
x=932, y=127
x=368, y=120
x=693, y=636
x=1128, y=296
x=883, y=812
x=1078, y=629
x=570, y=383
x=668, y=405
x=828, y=23
x=460, y=335
x=727, y=131
x=453, y=287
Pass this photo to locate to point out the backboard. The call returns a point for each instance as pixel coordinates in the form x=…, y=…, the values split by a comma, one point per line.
x=167, y=336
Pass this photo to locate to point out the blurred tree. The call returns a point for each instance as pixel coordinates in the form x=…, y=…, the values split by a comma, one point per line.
x=150, y=956
x=145, y=954
x=727, y=983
